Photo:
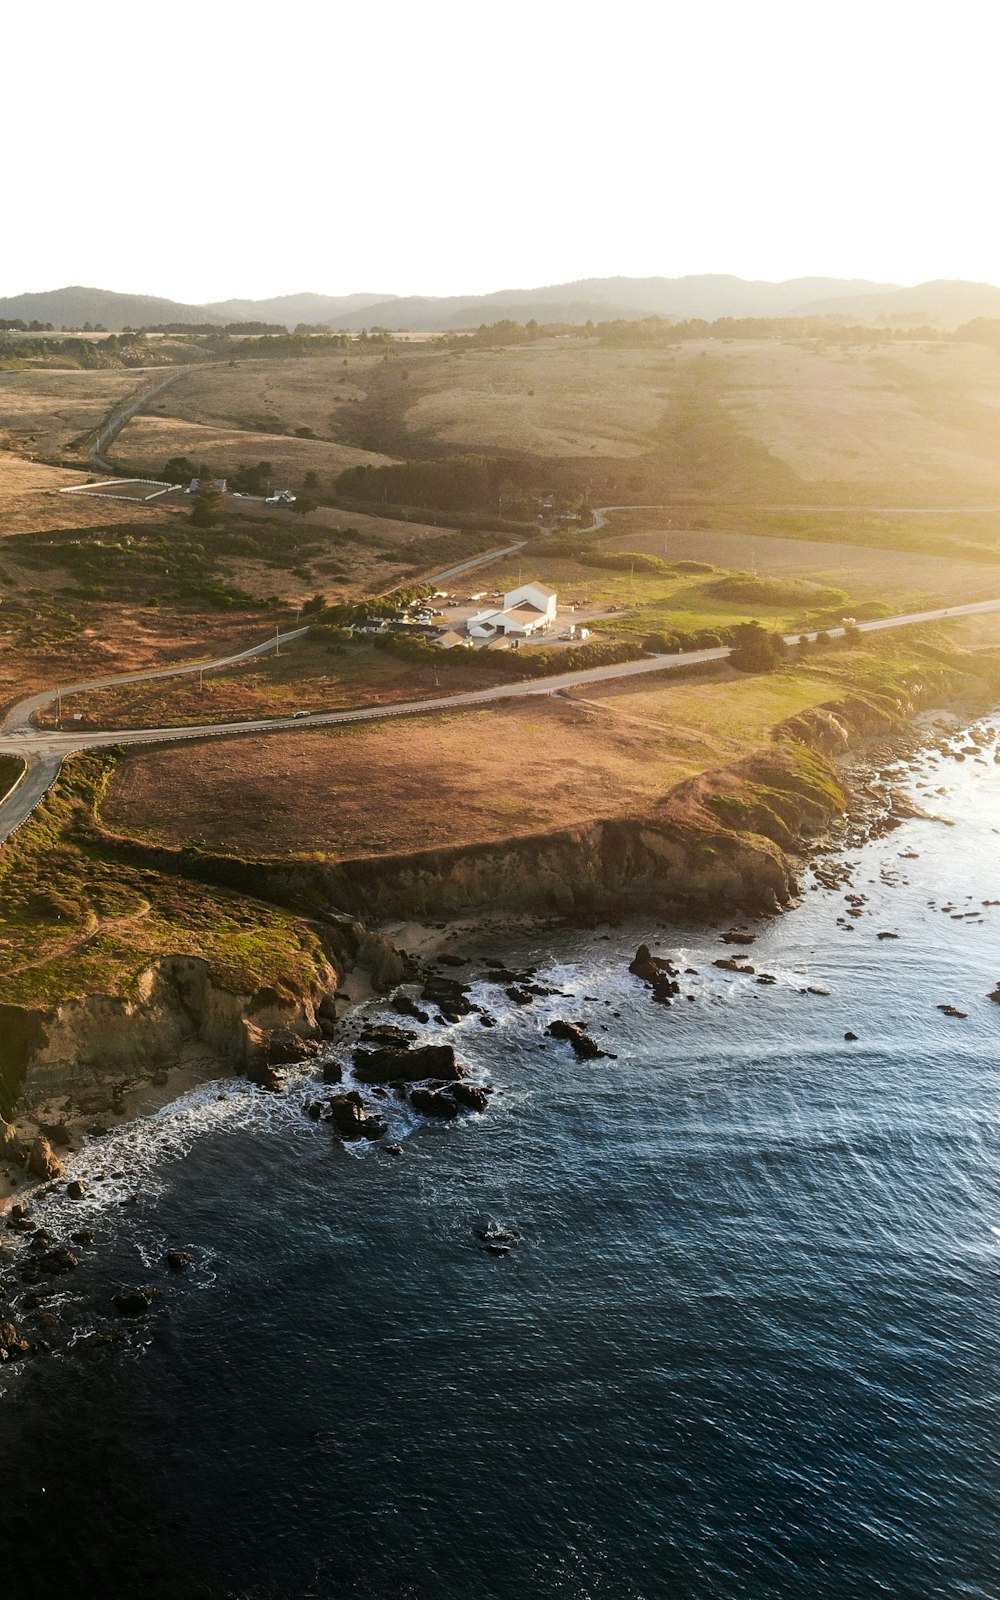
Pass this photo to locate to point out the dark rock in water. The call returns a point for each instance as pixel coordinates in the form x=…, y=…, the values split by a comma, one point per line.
x=177, y=1260
x=496, y=1249
x=734, y=964
x=160, y=1077
x=75, y=1189
x=98, y=1340
x=284, y=1046
x=350, y=1118
x=404, y=1006
x=97, y=1130
x=472, y=1096
x=387, y=1033
x=61, y=1259
x=448, y=960
x=495, y=1235
x=133, y=1302
x=264, y=1076
x=333, y=1072
x=394, y=1149
x=952, y=1011
x=888, y=936
x=851, y=1037
x=813, y=990
x=576, y=1035
x=651, y=969
x=426, y=1061
x=313, y=1109
x=82, y=1236
x=995, y=995
x=486, y=1021
x=449, y=995
x=434, y=1102
x=735, y=936
x=520, y=996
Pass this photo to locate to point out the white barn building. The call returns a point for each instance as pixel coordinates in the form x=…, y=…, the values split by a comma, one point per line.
x=525, y=611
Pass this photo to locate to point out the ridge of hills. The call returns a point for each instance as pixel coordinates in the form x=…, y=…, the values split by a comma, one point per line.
x=943, y=302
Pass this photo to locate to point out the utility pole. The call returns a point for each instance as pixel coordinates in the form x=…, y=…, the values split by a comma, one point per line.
x=277, y=640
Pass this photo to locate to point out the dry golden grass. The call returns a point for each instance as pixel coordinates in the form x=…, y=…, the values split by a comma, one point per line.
x=436, y=781
x=905, y=420
x=149, y=442
x=301, y=393
x=918, y=416
x=30, y=501
x=43, y=412
x=404, y=786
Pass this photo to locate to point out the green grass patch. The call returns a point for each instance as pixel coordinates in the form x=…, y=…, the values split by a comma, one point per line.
x=76, y=921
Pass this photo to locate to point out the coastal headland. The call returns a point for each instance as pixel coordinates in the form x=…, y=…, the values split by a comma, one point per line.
x=212, y=904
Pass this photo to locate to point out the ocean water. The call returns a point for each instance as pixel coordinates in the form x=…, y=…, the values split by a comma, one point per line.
x=746, y=1343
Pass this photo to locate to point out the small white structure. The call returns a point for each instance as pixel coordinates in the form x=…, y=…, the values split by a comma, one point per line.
x=198, y=485
x=281, y=497
x=452, y=640
x=525, y=611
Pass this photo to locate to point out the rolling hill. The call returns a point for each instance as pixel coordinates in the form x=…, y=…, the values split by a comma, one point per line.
x=945, y=303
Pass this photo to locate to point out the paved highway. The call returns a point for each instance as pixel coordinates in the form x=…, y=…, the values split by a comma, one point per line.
x=20, y=738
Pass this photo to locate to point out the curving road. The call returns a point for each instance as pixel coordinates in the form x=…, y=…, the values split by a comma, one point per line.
x=45, y=751
x=18, y=737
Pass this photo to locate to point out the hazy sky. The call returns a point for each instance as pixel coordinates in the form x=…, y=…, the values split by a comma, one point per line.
x=202, y=150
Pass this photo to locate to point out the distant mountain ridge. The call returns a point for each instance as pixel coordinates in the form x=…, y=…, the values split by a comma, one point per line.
x=945, y=302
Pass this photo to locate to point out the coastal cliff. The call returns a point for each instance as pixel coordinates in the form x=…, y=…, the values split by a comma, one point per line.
x=262, y=990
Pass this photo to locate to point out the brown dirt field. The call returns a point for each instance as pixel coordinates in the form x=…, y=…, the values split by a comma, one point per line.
x=380, y=789
x=149, y=441
x=550, y=399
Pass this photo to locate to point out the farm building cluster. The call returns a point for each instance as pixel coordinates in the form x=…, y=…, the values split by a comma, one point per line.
x=451, y=622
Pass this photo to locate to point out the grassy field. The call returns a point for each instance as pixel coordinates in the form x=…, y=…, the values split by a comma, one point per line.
x=43, y=413
x=309, y=675
x=147, y=443
x=271, y=396
x=453, y=779
x=919, y=422
x=73, y=922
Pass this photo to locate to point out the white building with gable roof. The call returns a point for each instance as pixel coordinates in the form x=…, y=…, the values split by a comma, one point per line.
x=525, y=611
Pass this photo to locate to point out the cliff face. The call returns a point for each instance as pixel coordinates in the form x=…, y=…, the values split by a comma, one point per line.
x=176, y=1009
x=716, y=841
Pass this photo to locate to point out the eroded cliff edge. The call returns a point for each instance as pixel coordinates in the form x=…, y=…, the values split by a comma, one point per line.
x=725, y=840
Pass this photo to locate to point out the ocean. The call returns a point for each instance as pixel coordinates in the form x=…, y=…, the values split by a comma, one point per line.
x=745, y=1343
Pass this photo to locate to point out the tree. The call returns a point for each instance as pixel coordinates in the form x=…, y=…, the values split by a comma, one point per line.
x=754, y=649
x=304, y=503
x=206, y=507
x=179, y=469
x=311, y=480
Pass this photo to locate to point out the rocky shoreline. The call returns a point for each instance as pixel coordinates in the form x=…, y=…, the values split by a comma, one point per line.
x=429, y=988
